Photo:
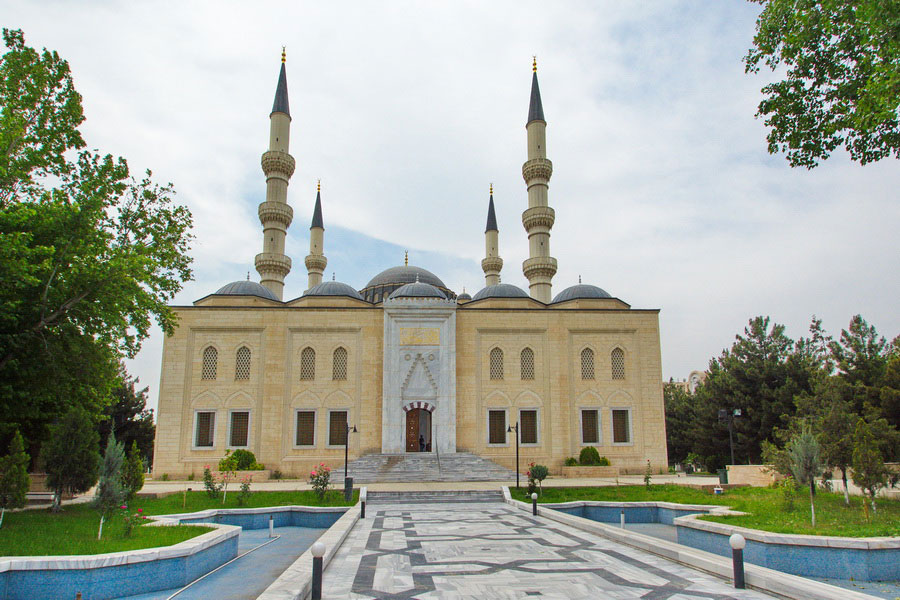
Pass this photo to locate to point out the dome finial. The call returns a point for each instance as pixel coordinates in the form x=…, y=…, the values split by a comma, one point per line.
x=534, y=63
x=318, y=185
x=492, y=189
x=417, y=278
x=579, y=279
x=332, y=276
x=406, y=260
x=283, y=55
x=248, y=275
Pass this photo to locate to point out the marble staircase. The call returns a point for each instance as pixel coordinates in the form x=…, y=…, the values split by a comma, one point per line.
x=424, y=466
x=437, y=496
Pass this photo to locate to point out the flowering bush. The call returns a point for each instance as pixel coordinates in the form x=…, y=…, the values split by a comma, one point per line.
x=320, y=480
x=132, y=520
x=536, y=474
x=209, y=482
x=245, y=493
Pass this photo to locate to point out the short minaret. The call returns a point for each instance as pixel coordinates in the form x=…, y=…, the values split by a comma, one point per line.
x=540, y=267
x=492, y=262
x=275, y=213
x=316, y=261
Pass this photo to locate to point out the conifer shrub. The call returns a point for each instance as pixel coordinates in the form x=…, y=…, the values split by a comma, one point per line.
x=589, y=457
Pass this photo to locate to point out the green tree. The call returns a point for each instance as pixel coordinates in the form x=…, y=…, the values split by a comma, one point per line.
x=835, y=426
x=841, y=85
x=111, y=493
x=70, y=454
x=806, y=463
x=890, y=392
x=14, y=480
x=133, y=471
x=680, y=416
x=869, y=472
x=861, y=354
x=127, y=415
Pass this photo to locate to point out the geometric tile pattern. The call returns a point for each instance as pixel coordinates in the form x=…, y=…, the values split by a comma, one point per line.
x=490, y=550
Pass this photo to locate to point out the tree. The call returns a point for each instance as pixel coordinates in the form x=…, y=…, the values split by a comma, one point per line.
x=70, y=454
x=861, y=354
x=806, y=464
x=842, y=80
x=869, y=472
x=680, y=416
x=133, y=471
x=14, y=480
x=110, y=491
x=835, y=426
x=127, y=415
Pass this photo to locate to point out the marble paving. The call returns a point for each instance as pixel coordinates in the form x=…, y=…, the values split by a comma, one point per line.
x=490, y=550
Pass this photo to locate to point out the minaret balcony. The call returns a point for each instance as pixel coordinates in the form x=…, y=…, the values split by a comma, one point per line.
x=492, y=264
x=538, y=216
x=316, y=263
x=276, y=264
x=279, y=212
x=537, y=168
x=276, y=162
x=539, y=267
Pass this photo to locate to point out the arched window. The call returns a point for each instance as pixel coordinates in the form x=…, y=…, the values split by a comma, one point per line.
x=587, y=364
x=210, y=363
x=308, y=364
x=242, y=363
x=527, y=360
x=617, y=358
x=339, y=364
x=496, y=363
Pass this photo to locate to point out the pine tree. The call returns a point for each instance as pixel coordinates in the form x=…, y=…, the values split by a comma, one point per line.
x=869, y=472
x=70, y=454
x=133, y=471
x=806, y=463
x=110, y=491
x=14, y=480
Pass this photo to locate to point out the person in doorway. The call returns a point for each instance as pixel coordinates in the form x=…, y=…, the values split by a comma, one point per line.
x=421, y=443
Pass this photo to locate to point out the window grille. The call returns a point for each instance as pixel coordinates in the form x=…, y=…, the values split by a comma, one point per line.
x=242, y=363
x=337, y=428
x=496, y=363
x=587, y=364
x=496, y=427
x=590, y=427
x=621, y=429
x=206, y=424
x=240, y=429
x=617, y=358
x=527, y=359
x=339, y=364
x=528, y=427
x=210, y=362
x=308, y=364
x=306, y=428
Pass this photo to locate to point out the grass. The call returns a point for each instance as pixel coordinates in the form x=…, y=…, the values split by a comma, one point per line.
x=765, y=506
x=74, y=529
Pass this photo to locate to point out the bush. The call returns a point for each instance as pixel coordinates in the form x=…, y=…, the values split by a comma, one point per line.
x=245, y=460
x=70, y=455
x=14, y=480
x=245, y=493
x=133, y=471
x=320, y=480
x=209, y=483
x=571, y=462
x=589, y=456
x=603, y=462
x=277, y=474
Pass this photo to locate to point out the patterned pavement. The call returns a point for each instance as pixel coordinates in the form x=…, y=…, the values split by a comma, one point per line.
x=490, y=550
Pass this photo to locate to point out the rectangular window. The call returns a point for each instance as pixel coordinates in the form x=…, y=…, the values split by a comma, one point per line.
x=306, y=428
x=337, y=428
x=496, y=427
x=240, y=429
x=206, y=425
x=528, y=426
x=590, y=426
x=621, y=426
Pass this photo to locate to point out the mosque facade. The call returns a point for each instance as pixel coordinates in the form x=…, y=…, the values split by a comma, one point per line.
x=405, y=364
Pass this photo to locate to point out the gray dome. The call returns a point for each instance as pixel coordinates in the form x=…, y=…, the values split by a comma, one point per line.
x=417, y=289
x=332, y=288
x=245, y=287
x=464, y=296
x=406, y=274
x=500, y=290
x=582, y=290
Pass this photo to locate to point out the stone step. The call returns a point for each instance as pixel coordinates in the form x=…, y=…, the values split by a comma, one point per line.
x=426, y=466
x=465, y=496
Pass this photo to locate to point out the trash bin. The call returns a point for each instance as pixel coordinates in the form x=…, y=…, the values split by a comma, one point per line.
x=723, y=475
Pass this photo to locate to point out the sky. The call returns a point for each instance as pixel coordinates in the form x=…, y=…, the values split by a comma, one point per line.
x=665, y=195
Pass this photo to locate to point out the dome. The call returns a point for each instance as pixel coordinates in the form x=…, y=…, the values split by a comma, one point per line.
x=580, y=291
x=464, y=297
x=332, y=288
x=501, y=290
x=405, y=274
x=417, y=289
x=245, y=287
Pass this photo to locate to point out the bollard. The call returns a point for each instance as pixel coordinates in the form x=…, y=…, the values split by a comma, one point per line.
x=738, y=542
x=362, y=503
x=622, y=519
x=78, y=596
x=318, y=551
x=534, y=504
x=348, y=488
x=271, y=527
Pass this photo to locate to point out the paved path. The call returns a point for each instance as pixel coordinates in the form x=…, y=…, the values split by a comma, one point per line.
x=490, y=550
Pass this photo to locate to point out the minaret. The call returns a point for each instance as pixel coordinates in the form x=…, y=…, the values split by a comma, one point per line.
x=275, y=213
x=540, y=267
x=492, y=262
x=316, y=261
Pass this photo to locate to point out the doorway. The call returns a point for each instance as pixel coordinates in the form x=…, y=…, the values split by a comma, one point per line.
x=418, y=430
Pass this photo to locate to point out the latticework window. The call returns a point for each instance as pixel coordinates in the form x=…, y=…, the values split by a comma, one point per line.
x=242, y=363
x=496, y=427
x=590, y=426
x=496, y=363
x=306, y=428
x=308, y=364
x=617, y=357
x=527, y=360
x=240, y=429
x=339, y=364
x=337, y=428
x=621, y=428
x=528, y=427
x=587, y=364
x=206, y=426
x=210, y=363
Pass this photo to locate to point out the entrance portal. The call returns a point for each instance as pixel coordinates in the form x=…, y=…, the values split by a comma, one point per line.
x=418, y=430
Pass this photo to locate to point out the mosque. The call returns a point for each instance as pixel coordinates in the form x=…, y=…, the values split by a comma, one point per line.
x=405, y=364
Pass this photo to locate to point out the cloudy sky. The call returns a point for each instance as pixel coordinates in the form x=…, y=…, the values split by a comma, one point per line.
x=664, y=193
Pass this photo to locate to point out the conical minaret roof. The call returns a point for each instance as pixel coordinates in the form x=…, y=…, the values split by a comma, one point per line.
x=491, y=218
x=317, y=211
x=281, y=92
x=535, y=108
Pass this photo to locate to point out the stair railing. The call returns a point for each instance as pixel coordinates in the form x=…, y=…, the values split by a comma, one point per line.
x=437, y=451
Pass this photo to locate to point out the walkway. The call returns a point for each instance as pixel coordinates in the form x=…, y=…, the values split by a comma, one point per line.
x=490, y=550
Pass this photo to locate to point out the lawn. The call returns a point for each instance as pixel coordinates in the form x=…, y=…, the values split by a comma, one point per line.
x=74, y=530
x=766, y=508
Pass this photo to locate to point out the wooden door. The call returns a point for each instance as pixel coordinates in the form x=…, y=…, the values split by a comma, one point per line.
x=412, y=430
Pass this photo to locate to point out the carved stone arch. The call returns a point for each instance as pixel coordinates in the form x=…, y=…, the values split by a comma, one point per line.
x=418, y=404
x=528, y=398
x=306, y=399
x=243, y=342
x=589, y=398
x=587, y=362
x=621, y=398
x=338, y=399
x=497, y=399
x=419, y=386
x=239, y=399
x=206, y=399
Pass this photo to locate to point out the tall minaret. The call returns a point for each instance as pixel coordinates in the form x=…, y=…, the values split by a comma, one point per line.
x=275, y=213
x=540, y=267
x=492, y=262
x=316, y=261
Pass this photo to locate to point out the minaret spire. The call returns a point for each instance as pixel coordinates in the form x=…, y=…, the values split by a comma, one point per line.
x=275, y=213
x=538, y=219
x=492, y=262
x=316, y=261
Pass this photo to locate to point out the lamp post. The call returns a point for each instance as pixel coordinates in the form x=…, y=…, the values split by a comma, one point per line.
x=510, y=429
x=728, y=416
x=348, y=481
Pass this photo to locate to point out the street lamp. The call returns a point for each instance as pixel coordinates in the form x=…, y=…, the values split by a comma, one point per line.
x=728, y=416
x=510, y=429
x=348, y=481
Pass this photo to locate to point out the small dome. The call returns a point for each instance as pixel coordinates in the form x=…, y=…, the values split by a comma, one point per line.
x=464, y=297
x=405, y=274
x=245, y=287
x=500, y=290
x=332, y=288
x=417, y=289
x=580, y=291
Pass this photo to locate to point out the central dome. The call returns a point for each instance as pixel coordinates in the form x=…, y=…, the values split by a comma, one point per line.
x=388, y=281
